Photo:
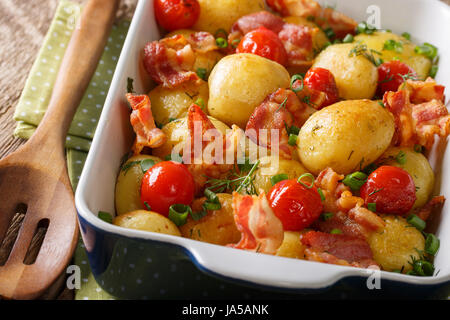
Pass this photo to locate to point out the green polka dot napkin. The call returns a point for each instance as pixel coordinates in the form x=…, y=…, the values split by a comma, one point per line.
x=36, y=96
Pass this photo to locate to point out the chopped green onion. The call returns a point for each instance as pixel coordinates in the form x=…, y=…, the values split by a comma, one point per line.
x=336, y=231
x=147, y=206
x=201, y=72
x=393, y=45
x=322, y=196
x=326, y=216
x=198, y=215
x=423, y=268
x=147, y=164
x=432, y=244
x=211, y=206
x=329, y=33
x=363, y=27
x=401, y=157
x=415, y=221
x=292, y=139
x=427, y=49
x=235, y=43
x=348, y=38
x=433, y=71
x=105, y=216
x=220, y=32
x=406, y=35
x=211, y=196
x=418, y=148
x=355, y=180
x=294, y=78
x=277, y=178
x=306, y=175
x=370, y=168
x=372, y=206
x=294, y=130
x=201, y=103
x=222, y=42
x=178, y=213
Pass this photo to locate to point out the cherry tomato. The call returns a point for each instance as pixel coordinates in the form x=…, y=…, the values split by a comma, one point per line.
x=264, y=43
x=390, y=76
x=165, y=184
x=294, y=204
x=176, y=14
x=321, y=79
x=391, y=188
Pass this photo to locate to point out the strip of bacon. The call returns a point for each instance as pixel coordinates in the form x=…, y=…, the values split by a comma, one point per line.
x=337, y=249
x=279, y=111
x=419, y=113
x=199, y=155
x=297, y=39
x=141, y=118
x=432, y=205
x=261, y=230
x=349, y=215
x=323, y=17
x=170, y=61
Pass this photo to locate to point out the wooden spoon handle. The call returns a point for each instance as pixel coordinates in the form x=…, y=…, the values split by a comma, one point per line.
x=80, y=61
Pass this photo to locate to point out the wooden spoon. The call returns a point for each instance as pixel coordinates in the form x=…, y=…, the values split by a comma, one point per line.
x=35, y=176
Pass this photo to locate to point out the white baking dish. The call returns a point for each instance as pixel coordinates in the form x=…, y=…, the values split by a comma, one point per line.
x=425, y=20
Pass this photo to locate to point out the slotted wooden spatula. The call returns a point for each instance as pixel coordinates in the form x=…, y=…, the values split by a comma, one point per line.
x=35, y=176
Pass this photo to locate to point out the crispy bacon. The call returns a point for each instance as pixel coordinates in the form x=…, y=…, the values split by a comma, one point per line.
x=279, y=111
x=337, y=249
x=425, y=211
x=419, y=113
x=170, y=61
x=261, y=230
x=349, y=215
x=147, y=134
x=200, y=155
x=297, y=39
x=323, y=17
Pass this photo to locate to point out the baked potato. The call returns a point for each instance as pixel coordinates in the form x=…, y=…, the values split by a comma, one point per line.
x=177, y=132
x=417, y=166
x=345, y=136
x=394, y=246
x=222, y=14
x=239, y=83
x=271, y=166
x=128, y=185
x=406, y=54
x=216, y=227
x=173, y=103
x=291, y=247
x=356, y=77
x=147, y=221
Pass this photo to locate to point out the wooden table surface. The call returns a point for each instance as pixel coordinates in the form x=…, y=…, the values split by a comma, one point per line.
x=23, y=26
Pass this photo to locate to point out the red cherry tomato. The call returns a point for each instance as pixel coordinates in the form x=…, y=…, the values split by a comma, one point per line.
x=321, y=79
x=176, y=14
x=264, y=43
x=390, y=76
x=165, y=184
x=392, y=189
x=295, y=205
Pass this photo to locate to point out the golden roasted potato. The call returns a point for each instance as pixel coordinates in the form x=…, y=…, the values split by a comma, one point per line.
x=239, y=83
x=271, y=166
x=128, y=185
x=417, y=166
x=356, y=77
x=222, y=14
x=216, y=227
x=173, y=103
x=345, y=136
x=177, y=132
x=376, y=41
x=291, y=247
x=395, y=244
x=147, y=221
